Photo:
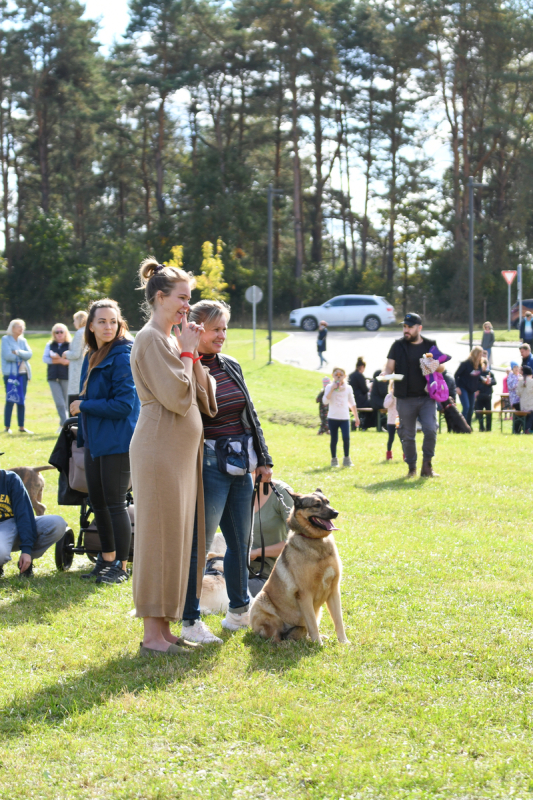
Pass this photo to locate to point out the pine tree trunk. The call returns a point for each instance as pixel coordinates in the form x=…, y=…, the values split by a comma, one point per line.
x=160, y=201
x=42, y=144
x=297, y=184
x=145, y=176
x=316, y=230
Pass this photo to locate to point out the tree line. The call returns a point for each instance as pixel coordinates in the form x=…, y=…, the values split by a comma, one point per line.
x=171, y=139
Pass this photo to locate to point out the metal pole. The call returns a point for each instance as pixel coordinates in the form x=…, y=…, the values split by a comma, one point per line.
x=471, y=261
x=270, y=276
x=508, y=306
x=254, y=306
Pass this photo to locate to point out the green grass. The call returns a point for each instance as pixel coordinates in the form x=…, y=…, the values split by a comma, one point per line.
x=432, y=699
x=501, y=336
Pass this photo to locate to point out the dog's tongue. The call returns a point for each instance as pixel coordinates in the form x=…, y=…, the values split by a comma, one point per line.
x=327, y=524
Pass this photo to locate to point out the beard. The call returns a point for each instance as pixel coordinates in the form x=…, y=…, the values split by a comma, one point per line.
x=410, y=337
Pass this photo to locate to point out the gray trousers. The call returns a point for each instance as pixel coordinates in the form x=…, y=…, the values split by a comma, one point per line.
x=50, y=529
x=409, y=408
x=59, y=391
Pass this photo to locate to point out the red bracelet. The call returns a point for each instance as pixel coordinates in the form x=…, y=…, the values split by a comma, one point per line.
x=190, y=355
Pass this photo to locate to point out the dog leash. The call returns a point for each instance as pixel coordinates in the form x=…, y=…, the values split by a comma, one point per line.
x=255, y=494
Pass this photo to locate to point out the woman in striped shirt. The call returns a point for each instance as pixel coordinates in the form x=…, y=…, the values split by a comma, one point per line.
x=228, y=498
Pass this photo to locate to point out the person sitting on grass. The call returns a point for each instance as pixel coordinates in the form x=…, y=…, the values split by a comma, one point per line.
x=270, y=518
x=20, y=529
x=484, y=396
x=525, y=392
x=339, y=397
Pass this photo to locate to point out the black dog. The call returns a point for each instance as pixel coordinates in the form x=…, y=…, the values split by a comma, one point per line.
x=454, y=419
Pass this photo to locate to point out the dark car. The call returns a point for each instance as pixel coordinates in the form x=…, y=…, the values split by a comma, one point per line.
x=527, y=305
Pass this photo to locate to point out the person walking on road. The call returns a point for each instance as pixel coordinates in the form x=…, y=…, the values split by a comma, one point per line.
x=412, y=399
x=321, y=343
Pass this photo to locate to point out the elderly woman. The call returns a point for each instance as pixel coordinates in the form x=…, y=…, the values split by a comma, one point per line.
x=234, y=447
x=166, y=455
x=57, y=374
x=16, y=354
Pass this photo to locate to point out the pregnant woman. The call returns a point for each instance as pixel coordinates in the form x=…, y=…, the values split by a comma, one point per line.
x=166, y=455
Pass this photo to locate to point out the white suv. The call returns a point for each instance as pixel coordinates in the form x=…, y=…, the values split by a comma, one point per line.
x=346, y=309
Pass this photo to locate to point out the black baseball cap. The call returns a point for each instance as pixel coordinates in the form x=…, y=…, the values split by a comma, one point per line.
x=412, y=319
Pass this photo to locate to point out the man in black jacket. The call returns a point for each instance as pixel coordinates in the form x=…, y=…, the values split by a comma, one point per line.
x=20, y=529
x=412, y=399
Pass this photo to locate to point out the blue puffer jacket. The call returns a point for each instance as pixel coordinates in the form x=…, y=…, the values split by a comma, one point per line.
x=111, y=406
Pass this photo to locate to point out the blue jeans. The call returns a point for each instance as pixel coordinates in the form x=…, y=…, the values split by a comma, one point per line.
x=344, y=425
x=467, y=402
x=8, y=408
x=228, y=503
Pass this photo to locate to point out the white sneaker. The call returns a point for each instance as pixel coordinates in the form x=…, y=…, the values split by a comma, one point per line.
x=234, y=622
x=199, y=632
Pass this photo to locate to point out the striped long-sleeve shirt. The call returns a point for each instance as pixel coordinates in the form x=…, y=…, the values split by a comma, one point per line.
x=230, y=401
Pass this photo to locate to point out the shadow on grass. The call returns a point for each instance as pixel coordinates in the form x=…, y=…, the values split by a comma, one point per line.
x=266, y=656
x=39, y=597
x=397, y=485
x=77, y=694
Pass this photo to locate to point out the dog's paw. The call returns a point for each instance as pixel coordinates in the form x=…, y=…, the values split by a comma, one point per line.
x=344, y=641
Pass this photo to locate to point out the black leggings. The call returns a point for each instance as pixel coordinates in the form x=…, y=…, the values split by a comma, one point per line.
x=392, y=432
x=108, y=480
x=344, y=425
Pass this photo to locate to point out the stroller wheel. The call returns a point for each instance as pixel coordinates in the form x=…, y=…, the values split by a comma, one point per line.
x=64, y=554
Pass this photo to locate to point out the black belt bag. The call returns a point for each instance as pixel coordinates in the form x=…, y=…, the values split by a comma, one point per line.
x=236, y=454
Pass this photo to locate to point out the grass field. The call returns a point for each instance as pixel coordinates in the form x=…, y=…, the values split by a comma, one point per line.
x=432, y=699
x=501, y=336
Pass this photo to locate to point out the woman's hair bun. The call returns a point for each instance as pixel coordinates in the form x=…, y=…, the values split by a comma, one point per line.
x=147, y=269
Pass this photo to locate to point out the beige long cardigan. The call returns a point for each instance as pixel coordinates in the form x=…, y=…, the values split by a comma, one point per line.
x=166, y=454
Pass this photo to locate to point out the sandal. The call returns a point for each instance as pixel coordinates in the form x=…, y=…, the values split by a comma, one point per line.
x=173, y=650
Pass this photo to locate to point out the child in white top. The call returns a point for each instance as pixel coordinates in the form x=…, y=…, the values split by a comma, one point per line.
x=392, y=415
x=339, y=397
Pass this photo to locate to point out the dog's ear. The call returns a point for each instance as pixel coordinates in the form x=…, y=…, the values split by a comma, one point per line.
x=319, y=490
x=297, y=498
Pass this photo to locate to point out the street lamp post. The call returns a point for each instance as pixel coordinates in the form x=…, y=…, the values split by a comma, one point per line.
x=471, y=187
x=270, y=194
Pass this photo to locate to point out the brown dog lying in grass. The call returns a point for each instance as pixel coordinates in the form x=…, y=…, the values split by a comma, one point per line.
x=306, y=575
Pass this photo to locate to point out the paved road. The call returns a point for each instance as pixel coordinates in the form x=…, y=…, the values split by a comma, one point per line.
x=344, y=347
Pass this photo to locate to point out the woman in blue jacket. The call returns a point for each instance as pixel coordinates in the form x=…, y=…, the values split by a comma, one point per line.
x=109, y=408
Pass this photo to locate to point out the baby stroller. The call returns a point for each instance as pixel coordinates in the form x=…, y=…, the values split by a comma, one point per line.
x=72, y=491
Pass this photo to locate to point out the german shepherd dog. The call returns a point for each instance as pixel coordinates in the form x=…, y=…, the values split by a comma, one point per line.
x=306, y=575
